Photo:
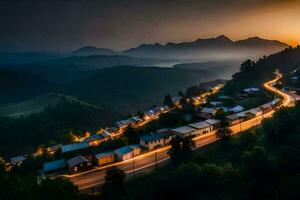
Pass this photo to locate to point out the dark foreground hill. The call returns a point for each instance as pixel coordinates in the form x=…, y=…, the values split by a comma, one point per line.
x=16, y=86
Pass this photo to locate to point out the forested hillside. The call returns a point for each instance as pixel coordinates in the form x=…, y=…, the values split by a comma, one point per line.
x=133, y=88
x=16, y=86
x=23, y=135
x=255, y=73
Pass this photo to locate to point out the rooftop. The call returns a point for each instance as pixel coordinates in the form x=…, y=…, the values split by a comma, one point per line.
x=212, y=121
x=254, y=111
x=200, y=125
x=74, y=146
x=183, y=130
x=54, y=165
x=126, y=149
x=123, y=150
x=208, y=110
x=101, y=155
x=232, y=117
x=17, y=159
x=155, y=136
x=77, y=160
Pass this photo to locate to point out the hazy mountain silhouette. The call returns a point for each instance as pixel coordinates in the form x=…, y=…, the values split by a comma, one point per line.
x=220, y=47
x=67, y=69
x=91, y=50
x=259, y=42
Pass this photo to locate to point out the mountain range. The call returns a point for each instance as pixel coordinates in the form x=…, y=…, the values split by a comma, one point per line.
x=221, y=47
x=221, y=42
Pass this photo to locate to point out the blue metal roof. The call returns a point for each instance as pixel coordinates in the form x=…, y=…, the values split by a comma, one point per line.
x=54, y=165
x=74, y=146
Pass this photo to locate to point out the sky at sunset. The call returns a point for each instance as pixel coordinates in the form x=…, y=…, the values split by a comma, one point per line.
x=120, y=24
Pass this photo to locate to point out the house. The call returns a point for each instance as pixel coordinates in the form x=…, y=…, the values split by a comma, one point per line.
x=96, y=139
x=113, y=130
x=184, y=131
x=251, y=90
x=127, y=152
x=201, y=127
x=53, y=149
x=79, y=164
x=73, y=147
x=104, y=158
x=148, y=114
x=216, y=103
x=207, y=113
x=165, y=108
x=176, y=100
x=275, y=102
x=153, y=140
x=237, y=109
x=266, y=108
x=224, y=97
x=136, y=119
x=295, y=78
x=255, y=112
x=233, y=119
x=54, y=165
x=196, y=100
x=122, y=124
x=157, y=111
x=18, y=160
x=215, y=123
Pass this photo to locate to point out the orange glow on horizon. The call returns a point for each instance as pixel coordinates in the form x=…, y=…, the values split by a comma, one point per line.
x=293, y=43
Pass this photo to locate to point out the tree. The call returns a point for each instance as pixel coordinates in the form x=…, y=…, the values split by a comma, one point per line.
x=183, y=100
x=223, y=133
x=132, y=134
x=246, y=65
x=59, y=189
x=181, y=149
x=114, y=184
x=180, y=93
x=141, y=114
x=168, y=101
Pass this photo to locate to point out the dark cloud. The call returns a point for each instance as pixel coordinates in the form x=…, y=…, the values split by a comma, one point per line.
x=68, y=24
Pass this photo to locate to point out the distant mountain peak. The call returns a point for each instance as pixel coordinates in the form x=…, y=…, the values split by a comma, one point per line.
x=252, y=41
x=223, y=37
x=92, y=50
x=86, y=48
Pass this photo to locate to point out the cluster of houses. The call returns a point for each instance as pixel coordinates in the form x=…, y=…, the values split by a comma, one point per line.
x=96, y=138
x=210, y=112
x=247, y=92
x=237, y=118
x=148, y=142
x=81, y=163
